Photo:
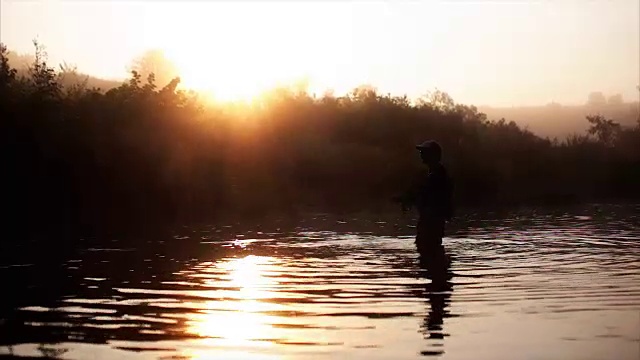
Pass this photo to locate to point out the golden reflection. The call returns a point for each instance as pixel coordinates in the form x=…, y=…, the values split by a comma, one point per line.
x=236, y=323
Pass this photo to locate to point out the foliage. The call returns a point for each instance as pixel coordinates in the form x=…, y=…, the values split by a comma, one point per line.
x=84, y=161
x=605, y=130
x=68, y=75
x=155, y=62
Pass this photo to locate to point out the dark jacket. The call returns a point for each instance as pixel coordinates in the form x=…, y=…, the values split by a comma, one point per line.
x=432, y=195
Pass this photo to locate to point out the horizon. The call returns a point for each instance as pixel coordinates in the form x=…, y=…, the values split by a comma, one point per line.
x=258, y=50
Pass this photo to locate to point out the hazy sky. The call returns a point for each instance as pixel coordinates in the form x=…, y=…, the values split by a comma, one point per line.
x=493, y=52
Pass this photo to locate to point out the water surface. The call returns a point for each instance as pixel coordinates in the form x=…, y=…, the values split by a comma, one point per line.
x=532, y=285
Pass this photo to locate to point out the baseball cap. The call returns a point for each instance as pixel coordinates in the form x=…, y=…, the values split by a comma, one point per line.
x=429, y=145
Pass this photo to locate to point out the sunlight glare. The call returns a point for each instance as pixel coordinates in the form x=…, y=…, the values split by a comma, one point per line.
x=240, y=51
x=238, y=321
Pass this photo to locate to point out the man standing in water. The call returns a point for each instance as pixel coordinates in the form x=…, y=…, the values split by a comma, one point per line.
x=433, y=199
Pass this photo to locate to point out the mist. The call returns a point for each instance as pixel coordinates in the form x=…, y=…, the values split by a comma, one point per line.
x=487, y=54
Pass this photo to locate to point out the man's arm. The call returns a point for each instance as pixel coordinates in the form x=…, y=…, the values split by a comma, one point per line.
x=414, y=196
x=406, y=200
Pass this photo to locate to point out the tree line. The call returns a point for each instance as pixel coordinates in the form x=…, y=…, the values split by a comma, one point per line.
x=81, y=161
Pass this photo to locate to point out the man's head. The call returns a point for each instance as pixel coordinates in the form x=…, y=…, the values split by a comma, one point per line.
x=430, y=152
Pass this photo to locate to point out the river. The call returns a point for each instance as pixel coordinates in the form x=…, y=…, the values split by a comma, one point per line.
x=532, y=284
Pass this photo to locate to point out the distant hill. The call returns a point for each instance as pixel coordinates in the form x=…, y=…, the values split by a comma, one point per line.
x=67, y=75
x=555, y=120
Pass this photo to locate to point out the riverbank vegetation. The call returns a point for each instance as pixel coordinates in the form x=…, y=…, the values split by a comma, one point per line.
x=79, y=160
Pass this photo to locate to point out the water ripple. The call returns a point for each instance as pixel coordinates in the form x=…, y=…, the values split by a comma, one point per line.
x=555, y=279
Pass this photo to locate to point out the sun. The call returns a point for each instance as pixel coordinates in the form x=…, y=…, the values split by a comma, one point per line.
x=232, y=81
x=237, y=52
x=233, y=62
x=232, y=75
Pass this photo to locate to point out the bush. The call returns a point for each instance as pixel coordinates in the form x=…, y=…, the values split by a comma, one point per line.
x=87, y=161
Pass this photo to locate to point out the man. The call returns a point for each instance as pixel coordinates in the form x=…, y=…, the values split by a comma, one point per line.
x=433, y=199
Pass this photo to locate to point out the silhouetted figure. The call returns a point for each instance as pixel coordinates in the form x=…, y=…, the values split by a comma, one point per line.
x=432, y=197
x=435, y=266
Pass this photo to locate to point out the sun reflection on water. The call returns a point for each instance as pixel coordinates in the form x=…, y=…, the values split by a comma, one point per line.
x=236, y=322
